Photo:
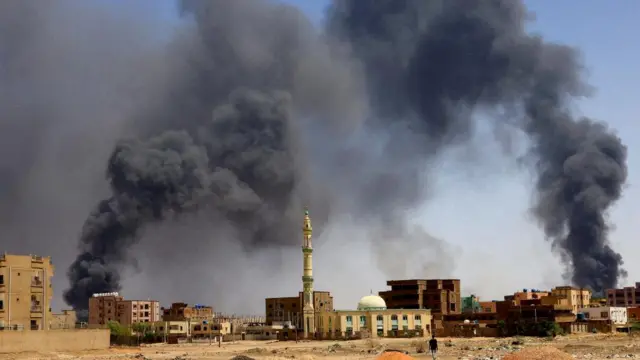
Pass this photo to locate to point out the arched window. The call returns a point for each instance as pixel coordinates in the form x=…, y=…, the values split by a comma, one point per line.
x=379, y=318
x=394, y=317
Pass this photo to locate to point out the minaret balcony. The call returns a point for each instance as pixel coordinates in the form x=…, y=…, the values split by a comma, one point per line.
x=307, y=250
x=307, y=279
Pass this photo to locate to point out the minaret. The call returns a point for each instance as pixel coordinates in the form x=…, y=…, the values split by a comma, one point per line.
x=307, y=278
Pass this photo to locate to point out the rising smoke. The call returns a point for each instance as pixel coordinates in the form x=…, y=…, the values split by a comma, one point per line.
x=252, y=113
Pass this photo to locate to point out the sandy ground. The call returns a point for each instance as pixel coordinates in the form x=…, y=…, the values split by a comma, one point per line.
x=590, y=346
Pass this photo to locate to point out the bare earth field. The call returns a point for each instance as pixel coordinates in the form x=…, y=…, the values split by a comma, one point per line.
x=590, y=346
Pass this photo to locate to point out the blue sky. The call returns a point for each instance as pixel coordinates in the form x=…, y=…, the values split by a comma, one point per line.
x=486, y=218
x=482, y=213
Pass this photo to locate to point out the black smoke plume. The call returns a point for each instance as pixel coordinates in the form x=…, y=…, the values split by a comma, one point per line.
x=432, y=65
x=249, y=113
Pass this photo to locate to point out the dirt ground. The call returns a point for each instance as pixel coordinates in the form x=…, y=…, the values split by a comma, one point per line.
x=590, y=346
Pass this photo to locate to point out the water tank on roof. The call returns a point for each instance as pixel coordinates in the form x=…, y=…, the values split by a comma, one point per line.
x=524, y=290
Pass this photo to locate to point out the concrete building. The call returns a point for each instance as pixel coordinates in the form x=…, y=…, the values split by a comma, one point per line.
x=577, y=297
x=107, y=307
x=66, y=319
x=442, y=296
x=290, y=308
x=184, y=312
x=626, y=297
x=617, y=315
x=25, y=292
x=373, y=319
x=527, y=294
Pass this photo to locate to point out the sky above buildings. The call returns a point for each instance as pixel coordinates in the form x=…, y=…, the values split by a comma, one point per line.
x=478, y=208
x=481, y=209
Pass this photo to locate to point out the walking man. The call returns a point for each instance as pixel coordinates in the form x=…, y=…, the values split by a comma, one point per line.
x=433, y=346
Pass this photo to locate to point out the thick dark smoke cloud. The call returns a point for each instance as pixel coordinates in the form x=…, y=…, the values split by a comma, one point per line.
x=249, y=113
x=432, y=65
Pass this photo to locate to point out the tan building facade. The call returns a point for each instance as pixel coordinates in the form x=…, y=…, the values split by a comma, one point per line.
x=373, y=319
x=290, y=308
x=107, y=307
x=184, y=312
x=577, y=298
x=25, y=292
x=66, y=319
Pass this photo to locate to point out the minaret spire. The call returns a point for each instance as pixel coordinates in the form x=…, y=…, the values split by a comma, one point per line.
x=307, y=277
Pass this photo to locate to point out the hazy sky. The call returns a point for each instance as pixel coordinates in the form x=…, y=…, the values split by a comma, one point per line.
x=486, y=216
x=479, y=209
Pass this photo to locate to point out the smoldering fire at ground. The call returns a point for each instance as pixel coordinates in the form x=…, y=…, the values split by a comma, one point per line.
x=251, y=87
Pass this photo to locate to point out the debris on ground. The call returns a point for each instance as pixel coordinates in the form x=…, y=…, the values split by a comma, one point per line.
x=539, y=353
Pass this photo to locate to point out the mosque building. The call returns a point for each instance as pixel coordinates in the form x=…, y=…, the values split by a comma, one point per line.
x=313, y=313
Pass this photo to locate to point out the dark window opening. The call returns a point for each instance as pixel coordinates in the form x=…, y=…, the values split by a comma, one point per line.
x=1, y=304
x=1, y=279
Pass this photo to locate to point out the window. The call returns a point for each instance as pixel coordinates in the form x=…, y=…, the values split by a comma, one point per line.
x=270, y=306
x=1, y=304
x=1, y=279
x=363, y=321
x=604, y=315
x=452, y=307
x=418, y=318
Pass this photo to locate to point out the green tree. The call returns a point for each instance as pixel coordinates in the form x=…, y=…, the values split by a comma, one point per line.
x=116, y=329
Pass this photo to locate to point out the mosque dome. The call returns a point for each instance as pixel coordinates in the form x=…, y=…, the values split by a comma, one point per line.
x=372, y=302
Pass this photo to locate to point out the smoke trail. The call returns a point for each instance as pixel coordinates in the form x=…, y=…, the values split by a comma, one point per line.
x=448, y=60
x=241, y=165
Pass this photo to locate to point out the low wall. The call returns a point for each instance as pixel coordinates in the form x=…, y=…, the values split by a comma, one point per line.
x=53, y=340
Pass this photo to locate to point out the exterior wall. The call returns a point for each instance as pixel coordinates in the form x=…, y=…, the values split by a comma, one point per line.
x=25, y=291
x=488, y=306
x=49, y=341
x=138, y=311
x=65, y=320
x=290, y=308
x=180, y=328
x=617, y=315
x=624, y=297
x=578, y=298
x=529, y=295
x=103, y=309
x=442, y=296
x=633, y=314
x=375, y=323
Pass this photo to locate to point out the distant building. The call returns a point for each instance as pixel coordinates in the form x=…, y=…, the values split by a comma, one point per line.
x=442, y=296
x=184, y=312
x=284, y=309
x=627, y=296
x=527, y=294
x=107, y=307
x=64, y=320
x=577, y=297
x=617, y=315
x=25, y=292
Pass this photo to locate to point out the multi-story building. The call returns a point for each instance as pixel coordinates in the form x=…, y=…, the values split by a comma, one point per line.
x=107, y=307
x=627, y=296
x=184, y=312
x=442, y=296
x=576, y=297
x=285, y=309
x=25, y=292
